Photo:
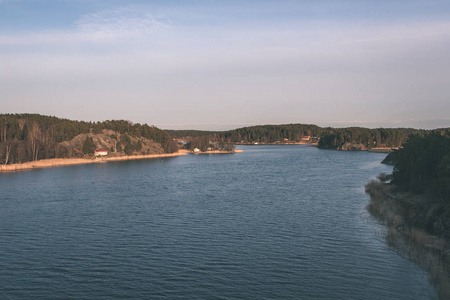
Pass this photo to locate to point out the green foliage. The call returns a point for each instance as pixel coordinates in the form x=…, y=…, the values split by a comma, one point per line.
x=200, y=142
x=443, y=177
x=423, y=163
x=138, y=146
x=330, y=138
x=334, y=138
x=119, y=146
x=272, y=133
x=27, y=137
x=260, y=134
x=88, y=146
x=177, y=134
x=128, y=149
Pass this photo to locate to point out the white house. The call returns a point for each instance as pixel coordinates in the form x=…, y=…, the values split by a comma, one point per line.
x=101, y=152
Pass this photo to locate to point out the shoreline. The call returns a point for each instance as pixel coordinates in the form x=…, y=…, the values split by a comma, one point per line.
x=58, y=162
x=218, y=152
x=382, y=150
x=276, y=144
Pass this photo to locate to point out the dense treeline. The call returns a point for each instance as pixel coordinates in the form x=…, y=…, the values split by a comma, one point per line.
x=204, y=144
x=272, y=133
x=352, y=138
x=414, y=204
x=423, y=164
x=255, y=134
x=420, y=186
x=178, y=134
x=421, y=182
x=364, y=138
x=28, y=137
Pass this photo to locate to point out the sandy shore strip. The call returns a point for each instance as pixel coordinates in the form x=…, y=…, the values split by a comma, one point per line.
x=57, y=162
x=218, y=152
x=381, y=150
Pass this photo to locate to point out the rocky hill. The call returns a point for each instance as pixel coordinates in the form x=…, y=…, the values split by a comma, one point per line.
x=31, y=137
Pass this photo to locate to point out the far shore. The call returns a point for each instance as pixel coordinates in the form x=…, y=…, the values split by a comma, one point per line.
x=382, y=150
x=277, y=144
x=57, y=162
x=218, y=152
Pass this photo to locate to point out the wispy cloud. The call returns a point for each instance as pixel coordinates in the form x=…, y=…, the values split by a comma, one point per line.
x=126, y=21
x=110, y=26
x=227, y=70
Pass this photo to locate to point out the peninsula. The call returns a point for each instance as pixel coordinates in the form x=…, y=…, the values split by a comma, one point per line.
x=414, y=204
x=35, y=141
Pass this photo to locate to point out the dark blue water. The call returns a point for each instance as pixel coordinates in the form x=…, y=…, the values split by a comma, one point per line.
x=274, y=222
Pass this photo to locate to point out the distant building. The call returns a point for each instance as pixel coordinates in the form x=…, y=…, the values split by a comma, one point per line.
x=306, y=138
x=196, y=150
x=101, y=152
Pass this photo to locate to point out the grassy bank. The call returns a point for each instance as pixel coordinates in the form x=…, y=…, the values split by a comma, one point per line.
x=397, y=212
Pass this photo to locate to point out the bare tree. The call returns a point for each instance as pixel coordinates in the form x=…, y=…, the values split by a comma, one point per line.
x=129, y=124
x=8, y=151
x=34, y=140
x=3, y=129
x=49, y=140
x=22, y=123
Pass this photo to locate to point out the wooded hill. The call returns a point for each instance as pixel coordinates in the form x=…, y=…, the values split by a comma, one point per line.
x=352, y=138
x=28, y=137
x=268, y=134
x=272, y=133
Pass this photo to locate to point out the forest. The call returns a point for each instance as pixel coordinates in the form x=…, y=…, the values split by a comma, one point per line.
x=272, y=133
x=352, y=138
x=414, y=203
x=30, y=137
x=419, y=188
x=423, y=165
x=263, y=134
x=364, y=138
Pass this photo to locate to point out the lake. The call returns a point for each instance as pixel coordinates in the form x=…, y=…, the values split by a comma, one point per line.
x=273, y=222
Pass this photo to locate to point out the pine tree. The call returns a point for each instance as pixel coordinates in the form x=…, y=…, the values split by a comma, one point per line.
x=88, y=147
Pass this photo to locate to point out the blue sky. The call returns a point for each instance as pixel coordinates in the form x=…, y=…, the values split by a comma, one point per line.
x=226, y=64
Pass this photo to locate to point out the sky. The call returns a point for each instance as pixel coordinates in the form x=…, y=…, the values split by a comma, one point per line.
x=219, y=65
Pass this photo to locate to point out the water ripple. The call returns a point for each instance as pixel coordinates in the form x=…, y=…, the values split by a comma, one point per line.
x=269, y=223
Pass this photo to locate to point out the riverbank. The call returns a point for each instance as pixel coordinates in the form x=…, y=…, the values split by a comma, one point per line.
x=395, y=211
x=57, y=162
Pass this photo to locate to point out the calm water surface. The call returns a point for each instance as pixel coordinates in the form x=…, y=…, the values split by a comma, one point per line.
x=274, y=222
